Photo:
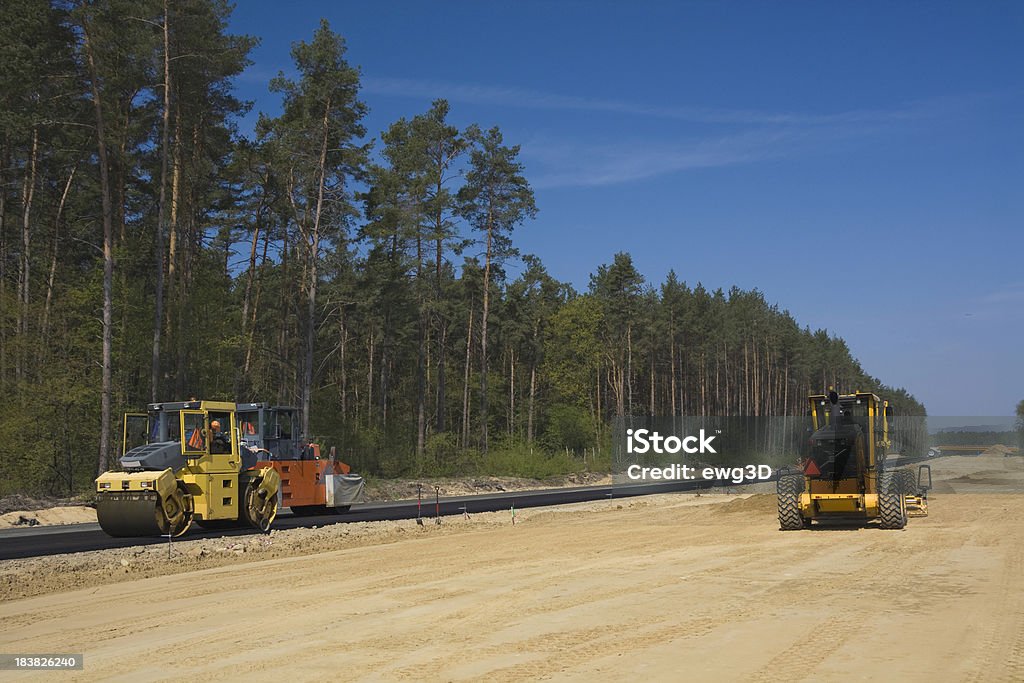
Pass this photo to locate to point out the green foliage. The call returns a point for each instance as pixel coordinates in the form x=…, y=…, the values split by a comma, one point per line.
x=496, y=195
x=572, y=350
x=523, y=461
x=570, y=427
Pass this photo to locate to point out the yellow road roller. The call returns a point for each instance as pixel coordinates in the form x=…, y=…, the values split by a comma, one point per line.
x=183, y=462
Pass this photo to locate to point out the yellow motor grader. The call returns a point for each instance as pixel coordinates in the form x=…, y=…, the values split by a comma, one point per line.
x=848, y=472
x=191, y=465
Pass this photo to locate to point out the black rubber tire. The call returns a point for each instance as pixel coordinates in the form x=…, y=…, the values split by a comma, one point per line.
x=906, y=482
x=788, y=489
x=892, y=507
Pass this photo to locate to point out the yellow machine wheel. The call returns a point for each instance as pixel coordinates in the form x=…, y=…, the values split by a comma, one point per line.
x=260, y=502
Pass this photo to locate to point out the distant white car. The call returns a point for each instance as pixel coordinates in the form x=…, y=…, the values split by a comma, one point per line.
x=934, y=452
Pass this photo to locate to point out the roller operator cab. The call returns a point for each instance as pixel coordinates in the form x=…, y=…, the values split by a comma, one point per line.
x=183, y=462
x=848, y=471
x=311, y=483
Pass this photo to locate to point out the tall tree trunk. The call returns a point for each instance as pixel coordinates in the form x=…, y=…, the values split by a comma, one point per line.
x=512, y=392
x=684, y=405
x=718, y=370
x=746, y=381
x=250, y=274
x=175, y=316
x=314, y=256
x=172, y=237
x=483, y=335
x=728, y=381
x=529, y=412
x=652, y=411
x=703, y=385
x=369, y=381
x=629, y=368
x=785, y=390
x=421, y=384
x=343, y=364
x=24, y=285
x=120, y=163
x=672, y=373
x=441, y=386
x=442, y=335
x=3, y=266
x=158, y=312
x=108, y=257
x=465, y=380
x=617, y=376
x=421, y=354
x=250, y=311
x=51, y=278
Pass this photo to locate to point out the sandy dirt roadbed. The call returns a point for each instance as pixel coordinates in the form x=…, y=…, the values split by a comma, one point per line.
x=665, y=587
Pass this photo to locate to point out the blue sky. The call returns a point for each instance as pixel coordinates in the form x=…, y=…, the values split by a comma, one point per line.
x=875, y=148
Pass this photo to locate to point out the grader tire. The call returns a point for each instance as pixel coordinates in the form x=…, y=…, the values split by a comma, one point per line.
x=788, y=488
x=906, y=482
x=892, y=506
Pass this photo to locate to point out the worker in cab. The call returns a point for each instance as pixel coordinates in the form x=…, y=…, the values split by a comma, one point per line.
x=220, y=442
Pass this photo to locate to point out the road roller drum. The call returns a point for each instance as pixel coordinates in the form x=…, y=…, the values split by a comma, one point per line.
x=142, y=504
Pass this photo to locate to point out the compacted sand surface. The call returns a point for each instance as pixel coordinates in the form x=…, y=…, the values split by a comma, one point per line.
x=669, y=587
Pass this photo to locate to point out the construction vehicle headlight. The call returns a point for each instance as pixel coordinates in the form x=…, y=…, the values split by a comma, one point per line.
x=104, y=484
x=146, y=484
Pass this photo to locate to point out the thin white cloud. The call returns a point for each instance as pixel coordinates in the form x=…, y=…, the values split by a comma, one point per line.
x=1010, y=294
x=534, y=99
x=565, y=164
x=1004, y=306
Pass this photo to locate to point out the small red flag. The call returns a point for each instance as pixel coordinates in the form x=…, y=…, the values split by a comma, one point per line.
x=195, y=442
